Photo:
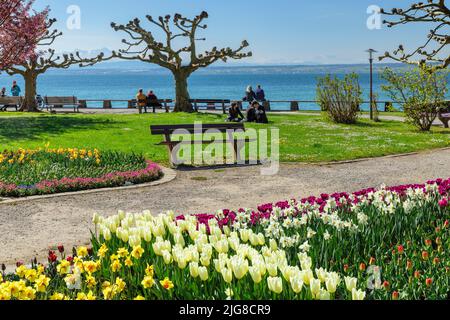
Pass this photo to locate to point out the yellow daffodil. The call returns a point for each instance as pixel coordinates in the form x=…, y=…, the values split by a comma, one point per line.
x=150, y=270
x=42, y=283
x=82, y=252
x=166, y=284
x=139, y=298
x=122, y=252
x=102, y=251
x=116, y=266
x=128, y=262
x=137, y=252
x=90, y=267
x=148, y=282
x=83, y=296
x=120, y=285
x=90, y=281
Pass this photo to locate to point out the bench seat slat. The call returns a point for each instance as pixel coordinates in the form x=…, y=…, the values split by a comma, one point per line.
x=170, y=129
x=174, y=143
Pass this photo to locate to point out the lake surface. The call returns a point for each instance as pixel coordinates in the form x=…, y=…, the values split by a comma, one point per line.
x=279, y=82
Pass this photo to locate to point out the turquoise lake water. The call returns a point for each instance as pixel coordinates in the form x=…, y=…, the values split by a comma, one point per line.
x=279, y=82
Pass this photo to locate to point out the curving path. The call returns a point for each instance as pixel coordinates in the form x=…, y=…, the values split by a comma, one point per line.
x=29, y=228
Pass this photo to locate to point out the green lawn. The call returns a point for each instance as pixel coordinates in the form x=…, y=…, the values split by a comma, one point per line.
x=303, y=138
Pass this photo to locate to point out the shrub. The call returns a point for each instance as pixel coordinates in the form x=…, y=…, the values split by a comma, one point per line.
x=420, y=91
x=340, y=98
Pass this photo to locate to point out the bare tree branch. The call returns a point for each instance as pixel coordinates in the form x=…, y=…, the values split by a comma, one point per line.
x=435, y=12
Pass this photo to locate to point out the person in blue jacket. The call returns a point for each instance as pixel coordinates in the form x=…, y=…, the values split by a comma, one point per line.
x=15, y=89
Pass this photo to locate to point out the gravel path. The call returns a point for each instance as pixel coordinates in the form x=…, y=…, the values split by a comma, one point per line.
x=29, y=228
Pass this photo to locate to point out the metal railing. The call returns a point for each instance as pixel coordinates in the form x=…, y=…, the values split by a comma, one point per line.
x=290, y=105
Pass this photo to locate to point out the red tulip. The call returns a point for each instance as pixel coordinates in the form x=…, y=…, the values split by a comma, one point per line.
x=428, y=282
x=395, y=295
x=417, y=274
x=61, y=248
x=400, y=249
x=386, y=285
x=409, y=265
x=425, y=255
x=428, y=242
x=345, y=267
x=362, y=267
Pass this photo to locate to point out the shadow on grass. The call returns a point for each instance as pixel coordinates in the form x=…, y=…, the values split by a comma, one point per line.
x=33, y=128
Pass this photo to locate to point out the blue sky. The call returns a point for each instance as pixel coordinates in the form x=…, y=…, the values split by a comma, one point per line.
x=279, y=31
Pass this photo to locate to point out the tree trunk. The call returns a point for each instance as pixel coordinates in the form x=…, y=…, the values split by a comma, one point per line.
x=29, y=104
x=182, y=94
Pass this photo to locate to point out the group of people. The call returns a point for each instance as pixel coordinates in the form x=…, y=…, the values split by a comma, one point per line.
x=255, y=111
x=15, y=90
x=149, y=100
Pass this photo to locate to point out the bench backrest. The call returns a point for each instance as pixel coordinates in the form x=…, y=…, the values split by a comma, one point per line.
x=210, y=101
x=61, y=100
x=10, y=100
x=191, y=128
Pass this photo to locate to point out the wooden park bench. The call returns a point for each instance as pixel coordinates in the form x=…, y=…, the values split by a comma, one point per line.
x=165, y=104
x=61, y=102
x=229, y=128
x=10, y=102
x=210, y=104
x=444, y=116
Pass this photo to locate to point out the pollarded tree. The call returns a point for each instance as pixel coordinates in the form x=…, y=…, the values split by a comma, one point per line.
x=43, y=60
x=144, y=47
x=433, y=12
x=20, y=26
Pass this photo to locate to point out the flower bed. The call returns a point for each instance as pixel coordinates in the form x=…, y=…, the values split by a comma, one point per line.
x=37, y=172
x=390, y=243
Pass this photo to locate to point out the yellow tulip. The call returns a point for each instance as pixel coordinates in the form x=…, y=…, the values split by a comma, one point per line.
x=275, y=284
x=203, y=273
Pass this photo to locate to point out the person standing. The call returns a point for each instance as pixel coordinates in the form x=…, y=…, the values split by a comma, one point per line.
x=141, y=100
x=260, y=94
x=15, y=89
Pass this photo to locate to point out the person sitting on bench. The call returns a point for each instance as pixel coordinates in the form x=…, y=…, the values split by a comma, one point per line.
x=152, y=101
x=235, y=114
x=141, y=99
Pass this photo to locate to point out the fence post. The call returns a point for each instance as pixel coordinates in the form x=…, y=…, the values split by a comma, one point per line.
x=294, y=106
x=266, y=105
x=107, y=104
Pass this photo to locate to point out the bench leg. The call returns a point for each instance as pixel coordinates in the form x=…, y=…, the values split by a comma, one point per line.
x=446, y=123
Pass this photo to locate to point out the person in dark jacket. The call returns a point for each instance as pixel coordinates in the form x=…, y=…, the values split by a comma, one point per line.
x=234, y=113
x=250, y=95
x=152, y=101
x=260, y=112
x=251, y=114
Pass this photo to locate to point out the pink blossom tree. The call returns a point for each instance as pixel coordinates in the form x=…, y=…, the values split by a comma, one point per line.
x=20, y=27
